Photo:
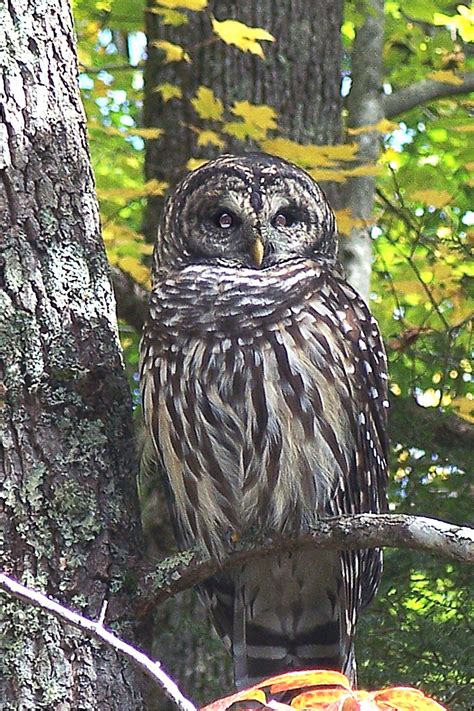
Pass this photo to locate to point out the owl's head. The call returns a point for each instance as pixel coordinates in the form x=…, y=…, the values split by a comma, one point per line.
x=253, y=211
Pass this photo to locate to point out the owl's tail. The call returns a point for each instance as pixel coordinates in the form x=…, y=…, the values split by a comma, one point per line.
x=289, y=614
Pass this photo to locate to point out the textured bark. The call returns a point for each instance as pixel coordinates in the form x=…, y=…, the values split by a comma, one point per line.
x=67, y=491
x=300, y=78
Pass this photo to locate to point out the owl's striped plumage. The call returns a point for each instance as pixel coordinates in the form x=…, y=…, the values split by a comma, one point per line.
x=265, y=391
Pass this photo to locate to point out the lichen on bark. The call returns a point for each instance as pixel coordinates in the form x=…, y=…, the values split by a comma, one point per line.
x=68, y=509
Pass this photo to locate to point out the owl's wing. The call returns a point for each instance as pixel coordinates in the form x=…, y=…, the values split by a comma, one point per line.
x=364, y=488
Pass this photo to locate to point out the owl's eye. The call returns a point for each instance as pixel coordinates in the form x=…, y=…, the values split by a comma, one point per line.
x=284, y=218
x=225, y=220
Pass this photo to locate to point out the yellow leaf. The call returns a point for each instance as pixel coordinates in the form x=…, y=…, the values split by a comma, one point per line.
x=121, y=195
x=196, y=5
x=466, y=127
x=319, y=699
x=207, y=105
x=173, y=52
x=194, y=163
x=309, y=156
x=383, y=126
x=155, y=187
x=361, y=170
x=257, y=120
x=433, y=197
x=169, y=17
x=152, y=187
x=406, y=699
x=251, y=694
x=242, y=36
x=446, y=77
x=145, y=248
x=135, y=268
x=206, y=137
x=300, y=679
x=463, y=22
x=149, y=133
x=117, y=235
x=168, y=91
x=341, y=151
x=347, y=222
x=321, y=175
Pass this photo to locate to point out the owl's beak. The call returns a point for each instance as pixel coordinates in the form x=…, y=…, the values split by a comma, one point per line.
x=257, y=252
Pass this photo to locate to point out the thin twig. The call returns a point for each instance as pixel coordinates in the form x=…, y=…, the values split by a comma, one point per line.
x=97, y=631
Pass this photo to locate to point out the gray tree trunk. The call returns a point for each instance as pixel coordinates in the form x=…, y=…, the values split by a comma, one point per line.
x=67, y=489
x=366, y=107
x=300, y=78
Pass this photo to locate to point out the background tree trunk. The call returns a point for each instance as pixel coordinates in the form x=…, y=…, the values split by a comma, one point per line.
x=300, y=78
x=67, y=497
x=365, y=106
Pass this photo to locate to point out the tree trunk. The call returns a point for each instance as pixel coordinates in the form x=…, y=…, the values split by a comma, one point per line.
x=366, y=107
x=300, y=78
x=68, y=509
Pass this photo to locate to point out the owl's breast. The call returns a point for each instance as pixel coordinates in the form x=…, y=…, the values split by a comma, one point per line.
x=248, y=400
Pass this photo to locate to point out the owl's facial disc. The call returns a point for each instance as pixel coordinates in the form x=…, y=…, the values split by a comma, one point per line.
x=252, y=211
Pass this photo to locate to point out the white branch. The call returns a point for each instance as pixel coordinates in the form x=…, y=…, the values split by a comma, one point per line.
x=97, y=631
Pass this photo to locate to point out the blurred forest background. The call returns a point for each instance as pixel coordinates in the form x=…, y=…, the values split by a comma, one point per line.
x=372, y=98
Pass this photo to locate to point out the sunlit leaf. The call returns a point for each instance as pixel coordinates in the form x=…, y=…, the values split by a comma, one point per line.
x=360, y=170
x=436, y=198
x=168, y=91
x=465, y=128
x=207, y=105
x=169, y=17
x=150, y=133
x=194, y=163
x=309, y=156
x=196, y=5
x=210, y=137
x=446, y=77
x=258, y=119
x=318, y=698
x=173, y=52
x=135, y=268
x=347, y=222
x=246, y=38
x=463, y=22
x=464, y=406
x=252, y=694
x=382, y=126
x=300, y=679
x=407, y=699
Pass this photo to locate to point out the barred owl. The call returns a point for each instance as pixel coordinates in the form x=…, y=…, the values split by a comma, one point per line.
x=264, y=390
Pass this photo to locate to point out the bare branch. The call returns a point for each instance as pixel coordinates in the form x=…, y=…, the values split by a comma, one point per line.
x=132, y=299
x=96, y=630
x=421, y=92
x=190, y=568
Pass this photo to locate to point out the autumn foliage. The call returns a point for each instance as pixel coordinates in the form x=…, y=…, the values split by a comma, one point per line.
x=318, y=690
